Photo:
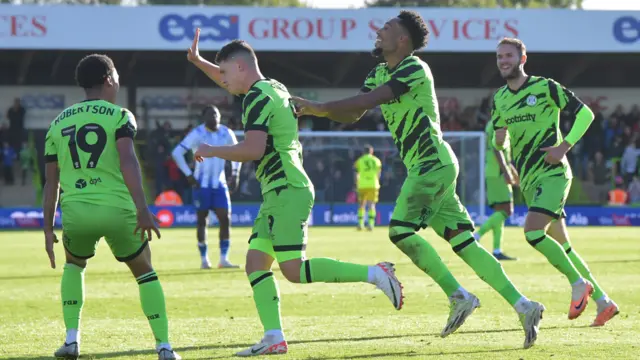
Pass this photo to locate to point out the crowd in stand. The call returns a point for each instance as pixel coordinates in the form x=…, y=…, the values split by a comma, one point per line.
x=605, y=160
x=15, y=155
x=607, y=165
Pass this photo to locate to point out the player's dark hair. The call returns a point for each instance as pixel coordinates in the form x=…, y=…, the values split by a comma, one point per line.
x=522, y=49
x=232, y=48
x=93, y=69
x=368, y=149
x=213, y=108
x=417, y=28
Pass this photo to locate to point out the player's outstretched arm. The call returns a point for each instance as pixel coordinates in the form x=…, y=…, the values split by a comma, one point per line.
x=210, y=69
x=251, y=149
x=347, y=110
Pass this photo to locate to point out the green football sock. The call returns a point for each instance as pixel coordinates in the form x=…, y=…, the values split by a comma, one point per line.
x=372, y=217
x=72, y=295
x=332, y=271
x=485, y=266
x=583, y=269
x=361, y=217
x=554, y=253
x=492, y=222
x=153, y=306
x=498, y=231
x=425, y=257
x=267, y=299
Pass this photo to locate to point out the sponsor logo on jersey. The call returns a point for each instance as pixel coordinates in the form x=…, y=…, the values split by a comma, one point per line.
x=521, y=118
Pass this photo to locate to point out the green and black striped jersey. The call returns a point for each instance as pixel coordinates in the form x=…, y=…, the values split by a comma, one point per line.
x=267, y=107
x=413, y=116
x=532, y=117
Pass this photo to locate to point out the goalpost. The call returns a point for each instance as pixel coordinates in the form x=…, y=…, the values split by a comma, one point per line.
x=329, y=147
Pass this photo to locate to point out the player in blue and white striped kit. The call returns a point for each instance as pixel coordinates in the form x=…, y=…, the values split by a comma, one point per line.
x=210, y=189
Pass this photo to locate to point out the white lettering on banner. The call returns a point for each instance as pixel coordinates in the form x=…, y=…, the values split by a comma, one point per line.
x=21, y=26
x=302, y=29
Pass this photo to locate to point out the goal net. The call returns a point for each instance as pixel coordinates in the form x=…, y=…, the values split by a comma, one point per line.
x=329, y=157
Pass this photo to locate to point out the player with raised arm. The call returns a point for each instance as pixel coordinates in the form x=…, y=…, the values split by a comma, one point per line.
x=89, y=151
x=526, y=117
x=280, y=229
x=209, y=183
x=404, y=88
x=368, y=168
x=499, y=175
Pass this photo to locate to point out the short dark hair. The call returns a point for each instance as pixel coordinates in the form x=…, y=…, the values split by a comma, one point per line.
x=515, y=42
x=93, y=69
x=368, y=149
x=417, y=28
x=232, y=48
x=210, y=107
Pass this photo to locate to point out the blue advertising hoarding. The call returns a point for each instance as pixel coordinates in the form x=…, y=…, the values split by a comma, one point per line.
x=334, y=215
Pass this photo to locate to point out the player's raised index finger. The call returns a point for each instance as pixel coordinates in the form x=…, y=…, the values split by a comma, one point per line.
x=196, y=38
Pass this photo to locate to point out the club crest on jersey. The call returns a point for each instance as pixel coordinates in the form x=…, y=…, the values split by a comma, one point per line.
x=532, y=100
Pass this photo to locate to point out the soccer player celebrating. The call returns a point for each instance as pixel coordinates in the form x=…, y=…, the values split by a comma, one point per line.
x=499, y=175
x=368, y=168
x=404, y=88
x=89, y=151
x=526, y=117
x=280, y=229
x=211, y=191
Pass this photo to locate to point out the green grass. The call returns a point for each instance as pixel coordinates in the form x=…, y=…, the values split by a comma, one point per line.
x=212, y=315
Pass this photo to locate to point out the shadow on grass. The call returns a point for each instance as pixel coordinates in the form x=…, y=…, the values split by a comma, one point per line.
x=238, y=347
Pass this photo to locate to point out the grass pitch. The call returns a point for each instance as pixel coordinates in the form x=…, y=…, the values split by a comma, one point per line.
x=211, y=313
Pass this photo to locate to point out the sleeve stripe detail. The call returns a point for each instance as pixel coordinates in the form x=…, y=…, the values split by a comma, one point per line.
x=125, y=130
x=398, y=87
x=553, y=91
x=407, y=71
x=184, y=147
x=255, y=110
x=50, y=158
x=249, y=99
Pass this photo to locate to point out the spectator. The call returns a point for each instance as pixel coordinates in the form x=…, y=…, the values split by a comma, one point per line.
x=16, y=115
x=634, y=190
x=161, y=173
x=612, y=129
x=618, y=196
x=629, y=162
x=320, y=180
x=26, y=161
x=599, y=174
x=8, y=157
x=633, y=119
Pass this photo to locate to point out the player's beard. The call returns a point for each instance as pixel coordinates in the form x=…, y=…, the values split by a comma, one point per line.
x=513, y=74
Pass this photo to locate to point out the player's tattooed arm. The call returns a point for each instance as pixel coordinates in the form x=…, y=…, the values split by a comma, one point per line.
x=252, y=148
x=505, y=169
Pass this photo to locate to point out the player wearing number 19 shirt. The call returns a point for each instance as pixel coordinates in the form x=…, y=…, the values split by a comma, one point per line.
x=526, y=117
x=403, y=87
x=89, y=152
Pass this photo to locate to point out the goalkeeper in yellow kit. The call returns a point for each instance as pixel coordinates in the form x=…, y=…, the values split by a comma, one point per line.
x=368, y=168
